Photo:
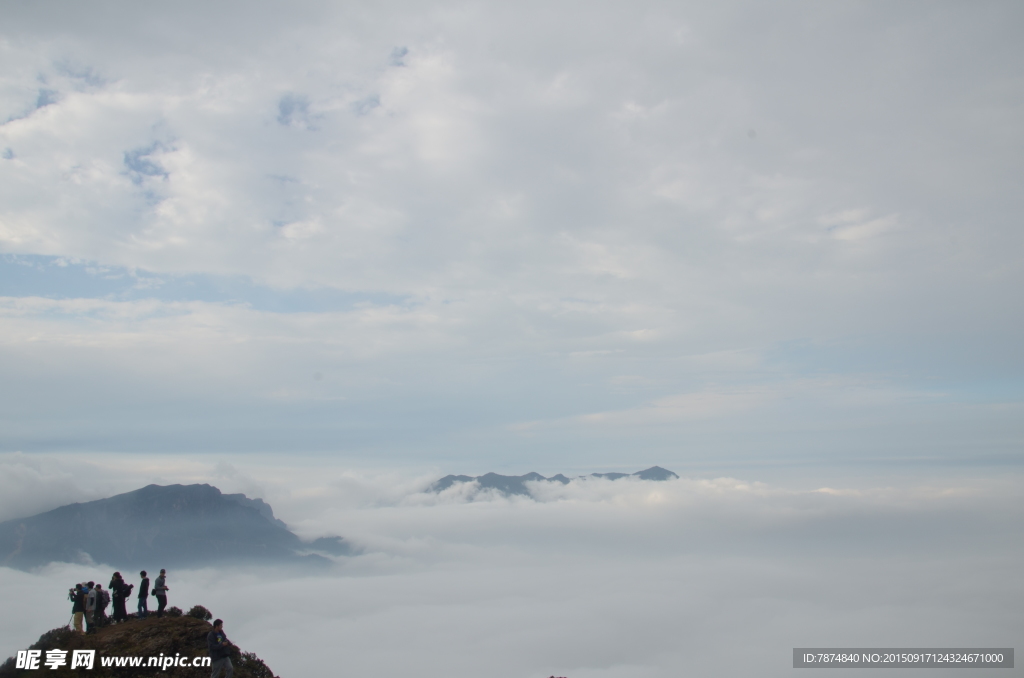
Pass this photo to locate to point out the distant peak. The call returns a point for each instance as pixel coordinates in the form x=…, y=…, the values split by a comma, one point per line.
x=655, y=473
x=510, y=485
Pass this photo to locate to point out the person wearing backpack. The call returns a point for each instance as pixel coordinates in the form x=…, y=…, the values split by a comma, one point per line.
x=102, y=600
x=143, y=608
x=160, y=588
x=120, y=590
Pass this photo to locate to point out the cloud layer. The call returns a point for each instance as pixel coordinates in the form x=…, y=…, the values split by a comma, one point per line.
x=597, y=578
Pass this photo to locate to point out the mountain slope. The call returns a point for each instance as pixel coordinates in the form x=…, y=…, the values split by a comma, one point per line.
x=155, y=526
x=169, y=636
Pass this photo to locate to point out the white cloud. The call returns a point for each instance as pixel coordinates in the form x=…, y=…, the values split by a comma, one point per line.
x=683, y=406
x=853, y=397
x=599, y=578
x=557, y=210
x=857, y=224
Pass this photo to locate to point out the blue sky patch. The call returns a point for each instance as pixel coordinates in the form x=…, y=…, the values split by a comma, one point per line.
x=398, y=55
x=45, y=98
x=140, y=164
x=293, y=111
x=61, y=278
x=365, y=105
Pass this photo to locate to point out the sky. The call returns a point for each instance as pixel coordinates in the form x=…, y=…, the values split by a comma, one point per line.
x=337, y=250
x=500, y=238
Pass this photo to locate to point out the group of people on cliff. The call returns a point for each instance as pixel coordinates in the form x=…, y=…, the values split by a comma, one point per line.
x=90, y=600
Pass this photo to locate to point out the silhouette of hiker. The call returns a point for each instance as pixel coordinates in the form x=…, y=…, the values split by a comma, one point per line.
x=116, y=597
x=77, y=596
x=220, y=650
x=102, y=600
x=143, y=608
x=90, y=607
x=120, y=590
x=160, y=588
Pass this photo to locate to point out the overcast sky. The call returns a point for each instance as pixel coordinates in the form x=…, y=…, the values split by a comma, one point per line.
x=323, y=253
x=495, y=237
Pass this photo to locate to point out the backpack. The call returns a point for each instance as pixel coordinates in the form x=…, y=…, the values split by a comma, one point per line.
x=104, y=599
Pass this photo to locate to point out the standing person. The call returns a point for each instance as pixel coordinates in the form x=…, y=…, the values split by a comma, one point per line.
x=102, y=600
x=143, y=608
x=120, y=590
x=90, y=607
x=160, y=588
x=126, y=593
x=116, y=599
x=220, y=650
x=77, y=596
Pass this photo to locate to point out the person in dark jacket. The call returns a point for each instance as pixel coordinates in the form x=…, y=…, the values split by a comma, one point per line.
x=77, y=596
x=220, y=650
x=160, y=588
x=116, y=597
x=102, y=600
x=119, y=590
x=143, y=608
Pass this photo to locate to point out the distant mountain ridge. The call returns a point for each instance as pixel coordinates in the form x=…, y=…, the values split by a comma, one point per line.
x=510, y=485
x=160, y=526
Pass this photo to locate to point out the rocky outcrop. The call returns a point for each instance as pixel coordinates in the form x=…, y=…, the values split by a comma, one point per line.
x=180, y=637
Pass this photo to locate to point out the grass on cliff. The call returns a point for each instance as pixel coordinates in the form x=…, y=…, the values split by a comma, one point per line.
x=150, y=637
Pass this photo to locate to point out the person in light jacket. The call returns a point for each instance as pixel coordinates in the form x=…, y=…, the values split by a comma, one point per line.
x=91, y=599
x=160, y=588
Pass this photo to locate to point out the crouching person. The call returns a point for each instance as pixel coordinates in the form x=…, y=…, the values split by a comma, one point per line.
x=220, y=650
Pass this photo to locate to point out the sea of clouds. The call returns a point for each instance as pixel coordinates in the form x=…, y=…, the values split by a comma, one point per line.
x=772, y=247
x=704, y=576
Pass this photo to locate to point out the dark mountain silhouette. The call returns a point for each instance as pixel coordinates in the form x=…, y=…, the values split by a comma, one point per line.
x=505, y=484
x=610, y=476
x=448, y=481
x=159, y=526
x=151, y=637
x=509, y=485
x=260, y=505
x=655, y=473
